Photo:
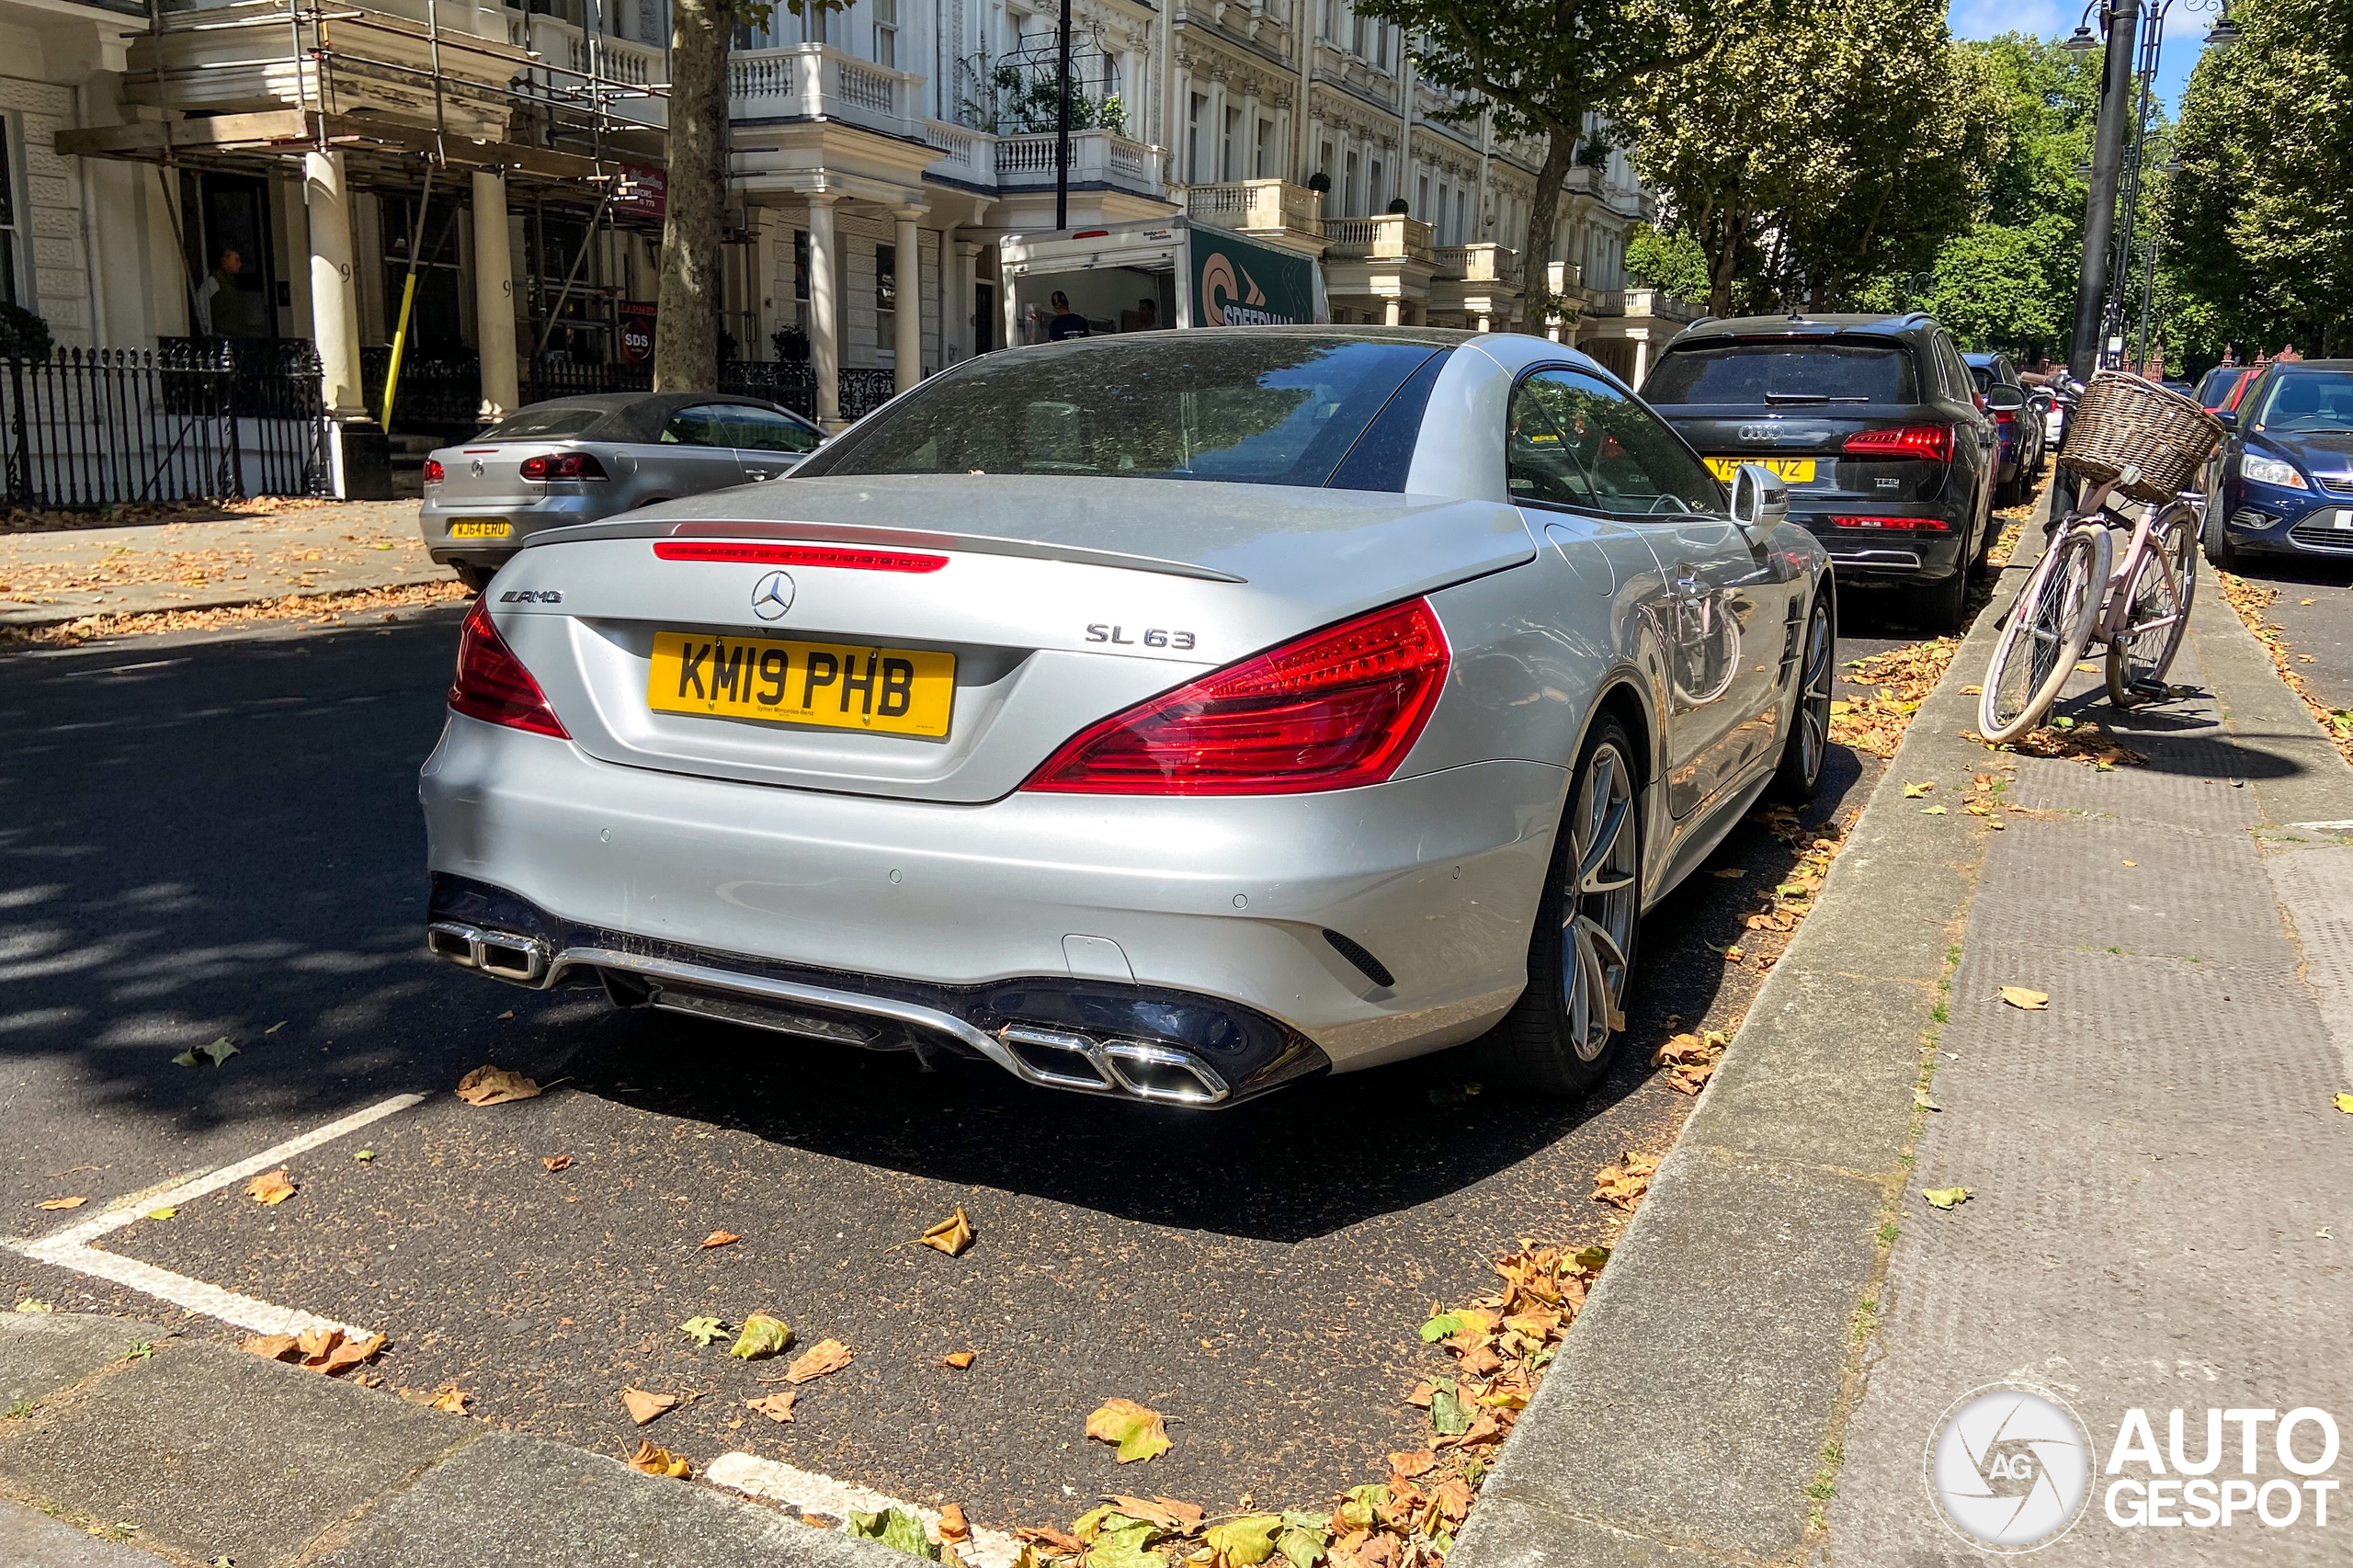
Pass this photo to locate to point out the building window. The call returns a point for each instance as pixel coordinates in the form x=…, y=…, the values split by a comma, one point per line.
x=1260, y=158
x=1351, y=193
x=1463, y=235
x=886, y=279
x=1193, y=164
x=800, y=263
x=1422, y=198
x=1374, y=200
x=1225, y=143
x=12, y=286
x=886, y=33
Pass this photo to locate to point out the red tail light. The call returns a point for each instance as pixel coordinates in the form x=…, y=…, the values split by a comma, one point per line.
x=1337, y=708
x=493, y=684
x=562, y=465
x=2005, y=417
x=432, y=471
x=1925, y=525
x=848, y=557
x=1933, y=442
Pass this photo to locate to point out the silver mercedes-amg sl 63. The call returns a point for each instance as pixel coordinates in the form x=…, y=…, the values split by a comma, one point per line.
x=1170, y=717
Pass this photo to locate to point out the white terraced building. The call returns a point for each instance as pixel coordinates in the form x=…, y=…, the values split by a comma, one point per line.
x=879, y=152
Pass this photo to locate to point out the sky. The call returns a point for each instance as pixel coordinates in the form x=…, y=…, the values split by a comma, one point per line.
x=2185, y=33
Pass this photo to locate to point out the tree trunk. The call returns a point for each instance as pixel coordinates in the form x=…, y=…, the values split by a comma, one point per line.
x=685, y=327
x=1536, y=254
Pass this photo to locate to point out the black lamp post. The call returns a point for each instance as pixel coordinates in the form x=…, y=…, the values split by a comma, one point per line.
x=2135, y=30
x=1062, y=129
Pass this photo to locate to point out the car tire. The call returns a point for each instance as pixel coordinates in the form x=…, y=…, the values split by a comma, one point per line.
x=2220, y=554
x=475, y=578
x=1941, y=607
x=1561, y=1035
x=1800, y=773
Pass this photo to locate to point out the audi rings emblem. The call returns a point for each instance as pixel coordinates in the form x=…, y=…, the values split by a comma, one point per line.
x=772, y=595
x=1756, y=433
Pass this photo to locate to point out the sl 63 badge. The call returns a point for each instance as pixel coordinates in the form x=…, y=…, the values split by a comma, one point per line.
x=1153, y=637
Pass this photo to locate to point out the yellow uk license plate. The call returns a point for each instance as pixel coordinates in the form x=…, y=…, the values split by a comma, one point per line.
x=898, y=690
x=479, y=527
x=1790, y=471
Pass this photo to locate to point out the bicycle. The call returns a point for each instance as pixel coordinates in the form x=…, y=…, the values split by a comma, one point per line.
x=2129, y=436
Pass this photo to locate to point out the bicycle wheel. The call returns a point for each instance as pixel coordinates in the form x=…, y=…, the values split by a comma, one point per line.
x=2049, y=627
x=2157, y=611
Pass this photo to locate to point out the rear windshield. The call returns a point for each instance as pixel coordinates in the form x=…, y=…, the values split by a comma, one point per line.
x=549, y=423
x=1243, y=408
x=1754, y=374
x=1982, y=375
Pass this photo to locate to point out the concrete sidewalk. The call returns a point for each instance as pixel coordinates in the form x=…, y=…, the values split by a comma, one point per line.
x=213, y=562
x=2161, y=1190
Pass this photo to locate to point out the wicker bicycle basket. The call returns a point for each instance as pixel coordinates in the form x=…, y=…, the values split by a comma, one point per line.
x=2154, y=441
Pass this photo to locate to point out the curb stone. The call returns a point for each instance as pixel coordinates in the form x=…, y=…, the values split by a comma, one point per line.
x=1703, y=1388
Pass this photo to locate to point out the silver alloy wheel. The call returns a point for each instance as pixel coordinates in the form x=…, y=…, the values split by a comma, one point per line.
x=1814, y=697
x=1600, y=906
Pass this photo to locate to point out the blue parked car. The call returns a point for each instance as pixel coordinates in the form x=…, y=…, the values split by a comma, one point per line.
x=2022, y=433
x=2284, y=479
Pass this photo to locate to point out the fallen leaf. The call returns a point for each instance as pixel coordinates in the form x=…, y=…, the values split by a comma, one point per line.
x=273, y=1347
x=211, y=1055
x=1445, y=1325
x=1139, y=1432
x=453, y=1399
x=1920, y=1099
x=720, y=1239
x=763, y=1337
x=825, y=1356
x=275, y=1026
x=960, y=1359
x=342, y=1357
x=270, y=1188
x=644, y=1407
x=893, y=1527
x=1411, y=1464
x=494, y=1086
x=1934, y=812
x=63, y=1202
x=1622, y=1185
x=1729, y=872
x=33, y=1305
x=166, y=1212
x=953, y=1526
x=777, y=1406
x=951, y=1236
x=557, y=1161
x=364, y=1155
x=2132, y=862
x=1914, y=791
x=2025, y=1001
x=659, y=1461
x=702, y=1331
x=1061, y=1542
x=1244, y=1542
x=1162, y=1513
x=2344, y=1104
x=1946, y=1196
x=1448, y=1416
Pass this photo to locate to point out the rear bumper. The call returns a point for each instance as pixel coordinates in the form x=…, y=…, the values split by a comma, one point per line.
x=1891, y=555
x=577, y=504
x=1227, y=902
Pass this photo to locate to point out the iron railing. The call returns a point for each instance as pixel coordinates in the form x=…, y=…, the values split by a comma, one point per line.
x=187, y=420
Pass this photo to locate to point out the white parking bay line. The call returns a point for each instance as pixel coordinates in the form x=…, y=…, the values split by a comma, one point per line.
x=70, y=1247
x=814, y=1494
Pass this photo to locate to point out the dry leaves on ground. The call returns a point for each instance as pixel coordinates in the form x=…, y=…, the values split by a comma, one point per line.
x=2086, y=741
x=660, y=1461
x=720, y=1239
x=777, y=1406
x=820, y=1360
x=211, y=1055
x=703, y=1331
x=644, y=1407
x=494, y=1086
x=1139, y=1433
x=1946, y=1196
x=1621, y=1186
x=557, y=1161
x=63, y=1202
x=1691, y=1059
x=327, y=1351
x=2250, y=600
x=270, y=1188
x=951, y=1236
x=2344, y=1104
x=762, y=1337
x=1900, y=680
x=448, y=1397
x=2023, y=999
x=960, y=1359
x=312, y=610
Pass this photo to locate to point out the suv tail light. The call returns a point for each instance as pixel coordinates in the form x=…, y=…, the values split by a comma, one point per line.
x=1925, y=525
x=562, y=465
x=492, y=684
x=1933, y=442
x=1334, y=710
x=432, y=471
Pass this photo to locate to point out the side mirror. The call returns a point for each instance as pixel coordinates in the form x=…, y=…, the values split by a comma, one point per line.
x=2229, y=416
x=1759, y=499
x=2003, y=399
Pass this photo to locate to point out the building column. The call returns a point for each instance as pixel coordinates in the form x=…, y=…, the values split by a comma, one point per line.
x=1394, y=308
x=1642, y=357
x=494, y=263
x=824, y=320
x=334, y=302
x=963, y=302
x=906, y=313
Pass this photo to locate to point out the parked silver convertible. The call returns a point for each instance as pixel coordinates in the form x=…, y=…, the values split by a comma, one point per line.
x=574, y=459
x=1168, y=717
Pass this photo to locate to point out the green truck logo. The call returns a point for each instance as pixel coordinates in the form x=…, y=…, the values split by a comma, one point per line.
x=1237, y=282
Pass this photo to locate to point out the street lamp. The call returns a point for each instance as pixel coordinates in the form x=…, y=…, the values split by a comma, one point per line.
x=2134, y=29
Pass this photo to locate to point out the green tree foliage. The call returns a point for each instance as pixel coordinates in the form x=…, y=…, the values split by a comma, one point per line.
x=1992, y=286
x=1544, y=66
x=2259, y=222
x=1657, y=259
x=1822, y=144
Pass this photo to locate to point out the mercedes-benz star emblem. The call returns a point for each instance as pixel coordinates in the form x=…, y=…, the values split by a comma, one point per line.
x=773, y=595
x=477, y=468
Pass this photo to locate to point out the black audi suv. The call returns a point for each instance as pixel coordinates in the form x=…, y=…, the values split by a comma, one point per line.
x=1889, y=450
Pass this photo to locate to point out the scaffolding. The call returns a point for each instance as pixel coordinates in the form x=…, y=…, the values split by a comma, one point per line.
x=248, y=86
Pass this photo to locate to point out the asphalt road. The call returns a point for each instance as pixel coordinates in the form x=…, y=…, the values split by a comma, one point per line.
x=219, y=836
x=2314, y=610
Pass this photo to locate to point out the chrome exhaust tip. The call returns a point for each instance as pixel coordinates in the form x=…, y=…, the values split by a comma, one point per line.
x=502, y=955
x=1064, y=1059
